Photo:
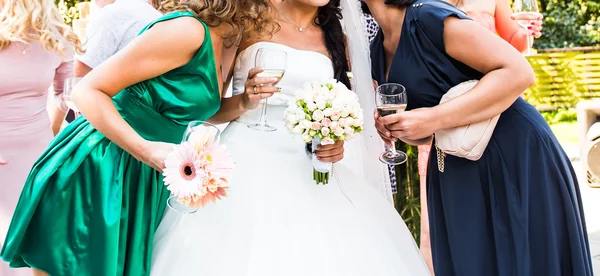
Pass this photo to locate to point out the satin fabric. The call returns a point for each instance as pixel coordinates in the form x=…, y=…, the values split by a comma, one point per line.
x=89, y=207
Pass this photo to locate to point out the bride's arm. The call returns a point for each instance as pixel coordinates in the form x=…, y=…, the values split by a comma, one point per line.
x=256, y=89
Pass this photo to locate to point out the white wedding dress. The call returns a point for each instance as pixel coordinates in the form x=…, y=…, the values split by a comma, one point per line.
x=276, y=220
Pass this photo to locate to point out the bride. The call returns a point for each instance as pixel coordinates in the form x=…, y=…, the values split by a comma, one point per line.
x=276, y=220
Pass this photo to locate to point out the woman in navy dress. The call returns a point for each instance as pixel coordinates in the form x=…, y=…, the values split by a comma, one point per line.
x=516, y=211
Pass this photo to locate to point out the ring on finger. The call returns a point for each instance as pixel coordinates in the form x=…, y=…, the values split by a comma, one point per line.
x=255, y=90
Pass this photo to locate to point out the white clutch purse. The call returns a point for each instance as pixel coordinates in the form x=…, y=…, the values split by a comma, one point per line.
x=467, y=141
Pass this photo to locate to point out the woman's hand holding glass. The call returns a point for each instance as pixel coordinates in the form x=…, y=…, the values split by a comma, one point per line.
x=417, y=125
x=536, y=20
x=257, y=88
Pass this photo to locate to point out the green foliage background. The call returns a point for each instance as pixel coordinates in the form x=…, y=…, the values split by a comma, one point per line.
x=569, y=23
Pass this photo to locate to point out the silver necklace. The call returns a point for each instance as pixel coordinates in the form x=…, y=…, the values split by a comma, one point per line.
x=300, y=29
x=23, y=47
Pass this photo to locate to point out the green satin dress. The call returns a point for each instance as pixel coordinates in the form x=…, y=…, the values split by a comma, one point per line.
x=88, y=207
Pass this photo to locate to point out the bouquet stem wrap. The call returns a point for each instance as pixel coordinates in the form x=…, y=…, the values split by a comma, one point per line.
x=321, y=169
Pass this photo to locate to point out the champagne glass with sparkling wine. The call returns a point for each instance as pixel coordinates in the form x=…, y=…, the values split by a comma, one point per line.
x=530, y=9
x=391, y=99
x=273, y=62
x=68, y=94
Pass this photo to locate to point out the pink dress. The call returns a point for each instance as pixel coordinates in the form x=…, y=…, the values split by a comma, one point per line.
x=24, y=124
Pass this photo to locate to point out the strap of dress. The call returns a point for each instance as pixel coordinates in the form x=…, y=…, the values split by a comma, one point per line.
x=173, y=15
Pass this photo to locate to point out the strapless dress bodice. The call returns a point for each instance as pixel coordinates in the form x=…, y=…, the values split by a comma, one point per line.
x=302, y=67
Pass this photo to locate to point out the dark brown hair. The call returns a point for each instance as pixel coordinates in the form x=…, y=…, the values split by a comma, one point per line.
x=328, y=19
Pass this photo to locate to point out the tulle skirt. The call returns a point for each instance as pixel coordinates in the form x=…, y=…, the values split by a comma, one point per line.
x=277, y=221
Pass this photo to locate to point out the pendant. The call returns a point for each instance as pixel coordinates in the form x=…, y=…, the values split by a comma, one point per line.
x=23, y=52
x=300, y=29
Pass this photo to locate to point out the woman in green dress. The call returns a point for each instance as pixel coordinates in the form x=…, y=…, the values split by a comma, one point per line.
x=92, y=201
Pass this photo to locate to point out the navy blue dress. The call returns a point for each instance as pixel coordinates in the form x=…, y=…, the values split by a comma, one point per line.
x=515, y=212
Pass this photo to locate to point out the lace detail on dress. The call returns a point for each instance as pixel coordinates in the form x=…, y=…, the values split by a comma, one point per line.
x=371, y=26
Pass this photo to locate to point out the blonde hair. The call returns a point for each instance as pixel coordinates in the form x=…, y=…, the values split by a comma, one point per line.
x=244, y=16
x=36, y=20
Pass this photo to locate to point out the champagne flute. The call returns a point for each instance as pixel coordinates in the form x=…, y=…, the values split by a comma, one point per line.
x=173, y=201
x=391, y=99
x=527, y=8
x=68, y=94
x=273, y=62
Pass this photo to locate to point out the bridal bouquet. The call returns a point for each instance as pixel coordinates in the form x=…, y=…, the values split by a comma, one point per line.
x=197, y=171
x=323, y=113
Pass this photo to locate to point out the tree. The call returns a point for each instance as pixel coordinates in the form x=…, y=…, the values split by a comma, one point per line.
x=569, y=23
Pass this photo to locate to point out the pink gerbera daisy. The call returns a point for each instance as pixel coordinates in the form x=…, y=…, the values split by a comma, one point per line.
x=216, y=161
x=183, y=172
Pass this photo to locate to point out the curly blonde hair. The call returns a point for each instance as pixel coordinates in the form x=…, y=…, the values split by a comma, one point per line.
x=36, y=20
x=244, y=16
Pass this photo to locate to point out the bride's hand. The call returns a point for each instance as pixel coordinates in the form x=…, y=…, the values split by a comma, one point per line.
x=330, y=153
x=155, y=154
x=257, y=88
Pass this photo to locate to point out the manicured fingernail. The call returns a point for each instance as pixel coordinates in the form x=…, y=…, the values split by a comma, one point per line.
x=529, y=27
x=532, y=33
x=512, y=17
x=532, y=22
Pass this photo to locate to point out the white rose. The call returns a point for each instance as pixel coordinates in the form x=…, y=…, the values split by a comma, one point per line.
x=326, y=122
x=318, y=115
x=349, y=131
x=311, y=106
x=327, y=112
x=325, y=131
x=350, y=121
x=306, y=124
x=298, y=129
x=291, y=118
x=339, y=131
x=343, y=122
x=337, y=104
x=357, y=123
x=327, y=141
x=335, y=116
x=321, y=103
x=330, y=96
x=315, y=126
x=306, y=137
x=357, y=112
x=334, y=125
x=345, y=113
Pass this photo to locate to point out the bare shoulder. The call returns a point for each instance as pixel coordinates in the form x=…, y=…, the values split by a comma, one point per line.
x=182, y=33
